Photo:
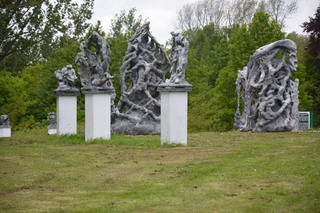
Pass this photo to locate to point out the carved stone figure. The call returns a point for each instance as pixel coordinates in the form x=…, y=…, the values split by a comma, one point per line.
x=267, y=92
x=5, y=120
x=53, y=120
x=179, y=58
x=295, y=100
x=144, y=67
x=94, y=73
x=240, y=84
x=66, y=79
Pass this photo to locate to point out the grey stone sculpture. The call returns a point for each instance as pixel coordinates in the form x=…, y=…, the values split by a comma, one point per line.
x=5, y=121
x=144, y=67
x=179, y=58
x=295, y=100
x=268, y=94
x=66, y=79
x=53, y=120
x=94, y=73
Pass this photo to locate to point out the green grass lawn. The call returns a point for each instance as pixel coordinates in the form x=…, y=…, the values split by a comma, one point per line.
x=216, y=172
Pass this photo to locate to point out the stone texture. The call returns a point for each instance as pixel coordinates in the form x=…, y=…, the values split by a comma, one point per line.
x=66, y=78
x=179, y=58
x=53, y=120
x=5, y=121
x=94, y=73
x=268, y=94
x=144, y=67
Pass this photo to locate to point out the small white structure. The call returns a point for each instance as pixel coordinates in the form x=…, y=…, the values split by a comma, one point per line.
x=5, y=131
x=97, y=114
x=67, y=113
x=174, y=113
x=5, y=128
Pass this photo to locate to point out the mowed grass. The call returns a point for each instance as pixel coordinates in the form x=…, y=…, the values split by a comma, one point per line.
x=216, y=172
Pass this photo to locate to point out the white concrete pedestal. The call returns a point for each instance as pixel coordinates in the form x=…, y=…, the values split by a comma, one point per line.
x=5, y=131
x=174, y=114
x=66, y=115
x=52, y=131
x=97, y=115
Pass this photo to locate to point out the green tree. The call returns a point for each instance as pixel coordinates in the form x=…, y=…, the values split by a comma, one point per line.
x=125, y=24
x=31, y=29
x=312, y=63
x=17, y=96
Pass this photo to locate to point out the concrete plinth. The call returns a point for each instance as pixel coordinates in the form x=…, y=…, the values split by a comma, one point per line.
x=52, y=131
x=174, y=114
x=97, y=115
x=66, y=115
x=5, y=131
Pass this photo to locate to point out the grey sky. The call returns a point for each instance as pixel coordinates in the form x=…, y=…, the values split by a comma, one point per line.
x=162, y=14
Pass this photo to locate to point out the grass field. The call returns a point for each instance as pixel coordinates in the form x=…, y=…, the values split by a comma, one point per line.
x=216, y=172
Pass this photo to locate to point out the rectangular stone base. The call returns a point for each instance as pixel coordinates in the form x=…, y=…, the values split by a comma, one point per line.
x=98, y=116
x=5, y=131
x=66, y=115
x=174, y=117
x=52, y=131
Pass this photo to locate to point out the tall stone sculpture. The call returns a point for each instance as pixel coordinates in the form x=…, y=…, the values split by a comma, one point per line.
x=66, y=79
x=179, y=58
x=144, y=67
x=97, y=86
x=94, y=73
x=174, y=95
x=268, y=94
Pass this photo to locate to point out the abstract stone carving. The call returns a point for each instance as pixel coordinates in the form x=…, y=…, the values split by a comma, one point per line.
x=94, y=73
x=268, y=94
x=5, y=120
x=144, y=67
x=66, y=79
x=53, y=120
x=179, y=58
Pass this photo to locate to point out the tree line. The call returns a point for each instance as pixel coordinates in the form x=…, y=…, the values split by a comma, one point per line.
x=218, y=49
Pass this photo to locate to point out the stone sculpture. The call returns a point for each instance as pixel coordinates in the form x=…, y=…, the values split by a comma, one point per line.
x=5, y=121
x=66, y=79
x=179, y=58
x=295, y=100
x=94, y=73
x=53, y=120
x=268, y=94
x=144, y=67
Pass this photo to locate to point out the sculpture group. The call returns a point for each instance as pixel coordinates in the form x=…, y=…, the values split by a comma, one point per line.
x=143, y=71
x=270, y=98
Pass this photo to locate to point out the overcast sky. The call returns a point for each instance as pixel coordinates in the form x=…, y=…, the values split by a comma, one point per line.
x=162, y=14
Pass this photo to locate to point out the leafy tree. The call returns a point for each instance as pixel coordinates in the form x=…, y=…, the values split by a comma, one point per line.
x=125, y=24
x=312, y=63
x=31, y=29
x=313, y=28
x=17, y=96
